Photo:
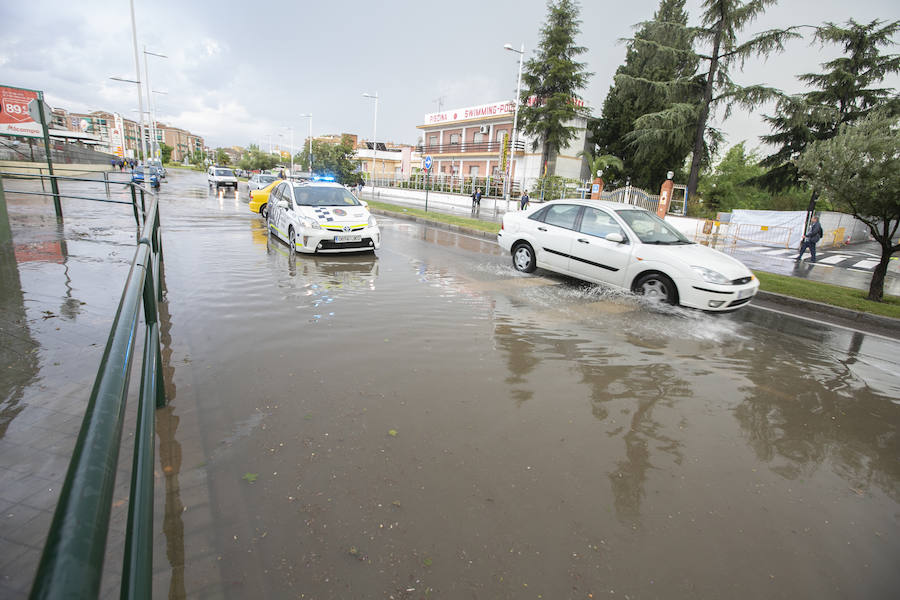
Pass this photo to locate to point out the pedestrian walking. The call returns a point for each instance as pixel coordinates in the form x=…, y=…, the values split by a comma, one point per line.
x=476, y=199
x=523, y=203
x=812, y=237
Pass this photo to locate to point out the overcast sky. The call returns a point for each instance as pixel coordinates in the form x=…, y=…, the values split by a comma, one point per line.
x=239, y=72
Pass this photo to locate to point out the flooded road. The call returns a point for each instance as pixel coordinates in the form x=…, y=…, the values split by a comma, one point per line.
x=426, y=422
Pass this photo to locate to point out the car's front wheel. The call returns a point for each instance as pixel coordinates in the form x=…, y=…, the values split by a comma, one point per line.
x=523, y=257
x=293, y=240
x=656, y=287
x=264, y=211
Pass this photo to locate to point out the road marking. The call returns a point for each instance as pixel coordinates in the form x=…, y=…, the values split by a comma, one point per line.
x=833, y=259
x=866, y=264
x=776, y=252
x=752, y=248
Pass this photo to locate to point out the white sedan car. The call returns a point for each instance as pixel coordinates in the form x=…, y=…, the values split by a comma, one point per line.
x=321, y=216
x=260, y=180
x=627, y=247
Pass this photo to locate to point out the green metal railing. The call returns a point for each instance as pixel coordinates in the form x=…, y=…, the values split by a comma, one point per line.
x=71, y=565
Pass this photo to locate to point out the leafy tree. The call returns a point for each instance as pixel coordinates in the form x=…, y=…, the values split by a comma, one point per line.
x=721, y=22
x=255, y=159
x=612, y=166
x=660, y=52
x=553, y=77
x=730, y=185
x=848, y=89
x=166, y=151
x=332, y=159
x=222, y=157
x=859, y=169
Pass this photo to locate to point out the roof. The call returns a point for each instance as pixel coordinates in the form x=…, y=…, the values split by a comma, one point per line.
x=599, y=203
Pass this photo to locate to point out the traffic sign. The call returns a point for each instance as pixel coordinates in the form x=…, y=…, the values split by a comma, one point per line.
x=427, y=163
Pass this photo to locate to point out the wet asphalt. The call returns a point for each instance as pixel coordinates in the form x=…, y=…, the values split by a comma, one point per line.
x=426, y=422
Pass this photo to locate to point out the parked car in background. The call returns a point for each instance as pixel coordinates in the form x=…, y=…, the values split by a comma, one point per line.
x=221, y=177
x=159, y=167
x=628, y=247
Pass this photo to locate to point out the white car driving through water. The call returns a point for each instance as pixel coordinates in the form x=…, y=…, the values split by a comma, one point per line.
x=321, y=216
x=627, y=247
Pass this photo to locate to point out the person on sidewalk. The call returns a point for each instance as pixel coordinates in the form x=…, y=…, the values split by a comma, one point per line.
x=476, y=199
x=524, y=201
x=812, y=237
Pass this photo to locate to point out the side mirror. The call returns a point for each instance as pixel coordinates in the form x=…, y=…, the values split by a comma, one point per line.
x=364, y=203
x=282, y=204
x=614, y=237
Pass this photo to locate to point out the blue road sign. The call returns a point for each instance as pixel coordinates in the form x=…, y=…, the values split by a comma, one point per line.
x=427, y=163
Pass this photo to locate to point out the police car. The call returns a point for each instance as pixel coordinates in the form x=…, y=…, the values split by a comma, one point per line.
x=321, y=216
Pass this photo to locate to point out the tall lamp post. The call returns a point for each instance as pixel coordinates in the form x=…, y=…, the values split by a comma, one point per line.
x=154, y=146
x=137, y=77
x=374, y=138
x=309, y=116
x=515, y=119
x=141, y=154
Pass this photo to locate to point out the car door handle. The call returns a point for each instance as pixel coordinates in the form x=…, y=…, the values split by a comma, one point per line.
x=583, y=241
x=542, y=229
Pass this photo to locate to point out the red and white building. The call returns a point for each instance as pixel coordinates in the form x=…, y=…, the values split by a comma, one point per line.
x=468, y=142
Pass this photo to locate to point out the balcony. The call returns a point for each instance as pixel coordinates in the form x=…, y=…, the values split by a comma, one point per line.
x=470, y=148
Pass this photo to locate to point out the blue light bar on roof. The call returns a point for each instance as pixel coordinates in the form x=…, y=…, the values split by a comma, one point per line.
x=323, y=178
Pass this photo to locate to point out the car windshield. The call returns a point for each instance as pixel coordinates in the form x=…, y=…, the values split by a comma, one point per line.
x=650, y=229
x=323, y=196
x=267, y=179
x=224, y=172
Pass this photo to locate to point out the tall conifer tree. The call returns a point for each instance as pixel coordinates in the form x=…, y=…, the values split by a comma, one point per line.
x=659, y=52
x=554, y=78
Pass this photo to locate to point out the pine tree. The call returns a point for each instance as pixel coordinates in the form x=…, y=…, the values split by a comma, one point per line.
x=721, y=22
x=659, y=52
x=848, y=90
x=553, y=78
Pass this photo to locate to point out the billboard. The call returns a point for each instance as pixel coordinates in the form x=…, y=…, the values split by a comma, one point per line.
x=14, y=117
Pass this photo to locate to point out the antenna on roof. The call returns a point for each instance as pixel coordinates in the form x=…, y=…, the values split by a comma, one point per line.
x=440, y=102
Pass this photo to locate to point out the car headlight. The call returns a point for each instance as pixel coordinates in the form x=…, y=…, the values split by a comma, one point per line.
x=309, y=223
x=372, y=222
x=710, y=275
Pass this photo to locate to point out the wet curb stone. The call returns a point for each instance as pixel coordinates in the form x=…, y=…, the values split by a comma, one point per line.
x=887, y=326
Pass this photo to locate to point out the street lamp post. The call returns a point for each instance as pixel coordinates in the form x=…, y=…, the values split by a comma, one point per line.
x=515, y=119
x=140, y=116
x=137, y=76
x=154, y=146
x=374, y=139
x=309, y=116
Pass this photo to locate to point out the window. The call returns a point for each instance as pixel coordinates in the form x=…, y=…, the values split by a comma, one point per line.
x=454, y=139
x=598, y=223
x=501, y=135
x=650, y=229
x=323, y=196
x=433, y=140
x=562, y=215
x=473, y=171
x=478, y=137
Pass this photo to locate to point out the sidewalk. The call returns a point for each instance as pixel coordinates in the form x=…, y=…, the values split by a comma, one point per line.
x=834, y=266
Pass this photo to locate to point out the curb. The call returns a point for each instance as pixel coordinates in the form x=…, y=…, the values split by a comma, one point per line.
x=819, y=309
x=810, y=307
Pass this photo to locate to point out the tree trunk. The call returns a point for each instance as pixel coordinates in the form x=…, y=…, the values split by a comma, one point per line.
x=876, y=285
x=703, y=117
x=545, y=158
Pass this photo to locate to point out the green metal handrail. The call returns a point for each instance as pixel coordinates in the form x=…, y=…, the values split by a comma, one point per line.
x=71, y=564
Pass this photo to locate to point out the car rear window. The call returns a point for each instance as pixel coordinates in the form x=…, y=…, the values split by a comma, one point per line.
x=224, y=172
x=267, y=179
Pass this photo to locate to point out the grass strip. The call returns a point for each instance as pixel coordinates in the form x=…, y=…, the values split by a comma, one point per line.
x=478, y=224
x=828, y=294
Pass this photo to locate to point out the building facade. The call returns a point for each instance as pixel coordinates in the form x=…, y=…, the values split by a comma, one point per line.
x=183, y=143
x=469, y=142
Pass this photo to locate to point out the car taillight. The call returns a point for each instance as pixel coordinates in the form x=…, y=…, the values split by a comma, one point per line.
x=501, y=224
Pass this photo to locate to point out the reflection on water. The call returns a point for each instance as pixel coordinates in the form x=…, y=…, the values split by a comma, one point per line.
x=17, y=347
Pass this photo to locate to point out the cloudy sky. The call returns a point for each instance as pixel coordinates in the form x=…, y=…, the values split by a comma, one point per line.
x=242, y=72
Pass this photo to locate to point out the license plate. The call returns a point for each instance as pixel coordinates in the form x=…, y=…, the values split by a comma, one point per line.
x=745, y=293
x=347, y=238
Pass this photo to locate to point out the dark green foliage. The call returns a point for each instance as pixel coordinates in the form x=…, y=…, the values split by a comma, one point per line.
x=256, y=160
x=331, y=159
x=859, y=170
x=848, y=89
x=553, y=77
x=166, y=151
x=660, y=52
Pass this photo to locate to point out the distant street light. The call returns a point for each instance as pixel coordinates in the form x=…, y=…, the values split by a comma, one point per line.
x=309, y=116
x=154, y=144
x=515, y=121
x=137, y=76
x=374, y=139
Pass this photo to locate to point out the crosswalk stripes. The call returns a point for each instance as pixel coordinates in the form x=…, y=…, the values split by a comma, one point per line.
x=777, y=252
x=865, y=264
x=834, y=259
